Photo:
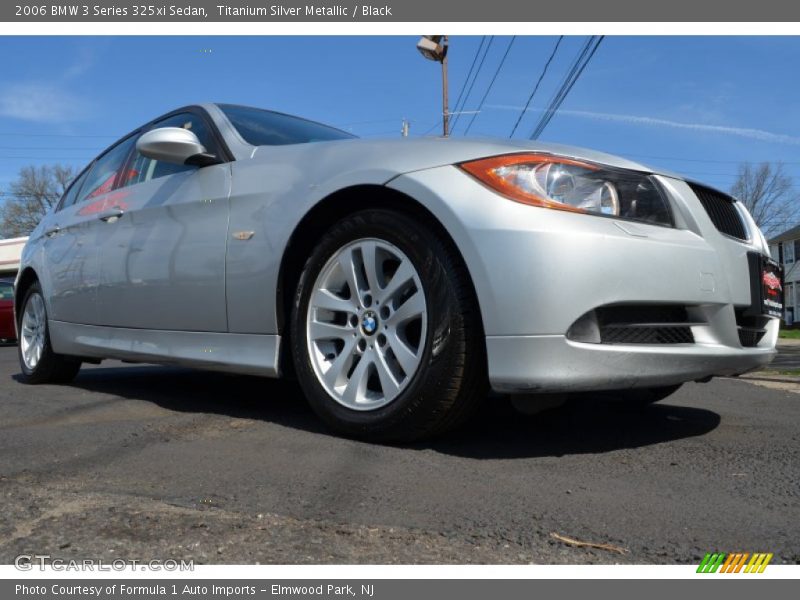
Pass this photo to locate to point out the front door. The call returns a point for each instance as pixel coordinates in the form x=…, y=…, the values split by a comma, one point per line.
x=162, y=255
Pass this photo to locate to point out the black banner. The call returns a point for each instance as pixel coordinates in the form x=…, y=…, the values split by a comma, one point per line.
x=395, y=589
x=401, y=11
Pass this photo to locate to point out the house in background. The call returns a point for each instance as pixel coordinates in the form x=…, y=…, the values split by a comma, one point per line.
x=785, y=248
x=10, y=252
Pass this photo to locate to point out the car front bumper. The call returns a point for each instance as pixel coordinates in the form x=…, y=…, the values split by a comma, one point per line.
x=536, y=271
x=555, y=364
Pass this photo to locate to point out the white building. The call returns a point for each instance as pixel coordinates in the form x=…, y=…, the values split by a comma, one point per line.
x=10, y=252
x=785, y=248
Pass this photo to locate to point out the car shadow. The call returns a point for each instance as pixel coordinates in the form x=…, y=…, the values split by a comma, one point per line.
x=205, y=392
x=589, y=425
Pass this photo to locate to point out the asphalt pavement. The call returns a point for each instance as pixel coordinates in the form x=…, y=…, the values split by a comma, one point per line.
x=144, y=462
x=788, y=357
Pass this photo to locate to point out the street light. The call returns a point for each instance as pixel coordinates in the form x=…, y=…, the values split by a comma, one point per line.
x=434, y=47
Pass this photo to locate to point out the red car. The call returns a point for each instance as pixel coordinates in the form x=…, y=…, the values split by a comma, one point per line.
x=7, y=331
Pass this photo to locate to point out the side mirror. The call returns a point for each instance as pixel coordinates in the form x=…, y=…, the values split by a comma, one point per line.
x=174, y=145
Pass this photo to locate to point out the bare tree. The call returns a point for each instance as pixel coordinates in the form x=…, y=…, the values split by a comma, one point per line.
x=29, y=198
x=767, y=192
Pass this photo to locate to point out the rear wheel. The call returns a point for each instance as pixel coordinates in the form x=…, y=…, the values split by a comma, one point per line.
x=386, y=337
x=36, y=357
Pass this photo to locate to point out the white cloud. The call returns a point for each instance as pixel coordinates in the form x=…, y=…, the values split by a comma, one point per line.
x=744, y=132
x=83, y=62
x=78, y=68
x=49, y=100
x=40, y=102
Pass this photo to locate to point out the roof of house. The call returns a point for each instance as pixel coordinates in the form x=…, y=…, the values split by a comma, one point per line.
x=791, y=234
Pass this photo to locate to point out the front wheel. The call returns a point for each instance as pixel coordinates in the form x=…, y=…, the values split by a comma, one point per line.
x=385, y=332
x=36, y=357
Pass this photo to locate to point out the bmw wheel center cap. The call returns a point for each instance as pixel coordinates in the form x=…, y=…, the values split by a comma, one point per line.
x=369, y=323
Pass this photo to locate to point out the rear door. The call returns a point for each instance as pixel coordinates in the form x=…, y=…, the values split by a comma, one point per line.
x=162, y=258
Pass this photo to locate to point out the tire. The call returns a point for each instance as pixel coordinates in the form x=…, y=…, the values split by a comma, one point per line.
x=645, y=396
x=435, y=392
x=42, y=365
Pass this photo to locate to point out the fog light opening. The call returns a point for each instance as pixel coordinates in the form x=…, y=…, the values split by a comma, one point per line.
x=585, y=329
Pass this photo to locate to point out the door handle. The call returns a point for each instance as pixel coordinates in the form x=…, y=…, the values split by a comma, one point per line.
x=111, y=216
x=52, y=231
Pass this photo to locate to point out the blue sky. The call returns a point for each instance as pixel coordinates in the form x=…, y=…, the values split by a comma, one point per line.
x=696, y=105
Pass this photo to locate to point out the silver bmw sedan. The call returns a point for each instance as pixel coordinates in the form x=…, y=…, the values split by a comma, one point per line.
x=396, y=280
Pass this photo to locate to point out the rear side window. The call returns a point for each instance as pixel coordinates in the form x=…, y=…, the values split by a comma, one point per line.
x=266, y=128
x=72, y=193
x=102, y=176
x=6, y=291
x=144, y=169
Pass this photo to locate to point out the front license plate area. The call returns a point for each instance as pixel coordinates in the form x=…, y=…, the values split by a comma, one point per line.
x=766, y=284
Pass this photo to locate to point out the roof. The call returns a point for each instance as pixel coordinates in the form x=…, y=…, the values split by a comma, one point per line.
x=791, y=234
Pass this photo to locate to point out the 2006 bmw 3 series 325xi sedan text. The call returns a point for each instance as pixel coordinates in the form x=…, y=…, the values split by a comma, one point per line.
x=397, y=280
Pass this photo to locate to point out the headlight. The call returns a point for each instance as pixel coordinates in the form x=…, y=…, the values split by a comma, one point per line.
x=566, y=184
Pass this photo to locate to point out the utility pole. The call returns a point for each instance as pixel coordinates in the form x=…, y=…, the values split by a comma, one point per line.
x=445, y=107
x=434, y=47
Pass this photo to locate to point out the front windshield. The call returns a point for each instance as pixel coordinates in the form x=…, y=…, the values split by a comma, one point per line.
x=266, y=128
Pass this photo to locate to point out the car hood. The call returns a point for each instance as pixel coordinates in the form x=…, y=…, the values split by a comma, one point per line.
x=405, y=155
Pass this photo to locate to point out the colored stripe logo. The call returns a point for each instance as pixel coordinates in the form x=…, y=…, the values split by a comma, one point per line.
x=738, y=562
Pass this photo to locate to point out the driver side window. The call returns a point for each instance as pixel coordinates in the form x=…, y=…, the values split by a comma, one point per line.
x=144, y=169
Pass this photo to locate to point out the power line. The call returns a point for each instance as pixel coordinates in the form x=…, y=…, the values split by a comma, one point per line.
x=379, y=133
x=569, y=82
x=469, y=73
x=48, y=147
x=9, y=196
x=703, y=160
x=710, y=173
x=474, y=79
x=432, y=127
x=491, y=84
x=565, y=86
x=392, y=120
x=46, y=157
x=536, y=87
x=64, y=135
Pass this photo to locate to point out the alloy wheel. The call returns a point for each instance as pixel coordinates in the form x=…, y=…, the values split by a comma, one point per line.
x=366, y=324
x=33, y=331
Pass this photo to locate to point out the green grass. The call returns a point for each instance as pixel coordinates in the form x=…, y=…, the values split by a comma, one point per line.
x=783, y=372
x=789, y=334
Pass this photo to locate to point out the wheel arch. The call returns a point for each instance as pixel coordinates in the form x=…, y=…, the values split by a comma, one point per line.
x=25, y=280
x=320, y=217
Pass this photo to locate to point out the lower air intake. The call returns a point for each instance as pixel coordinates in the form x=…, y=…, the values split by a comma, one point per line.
x=646, y=335
x=644, y=324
